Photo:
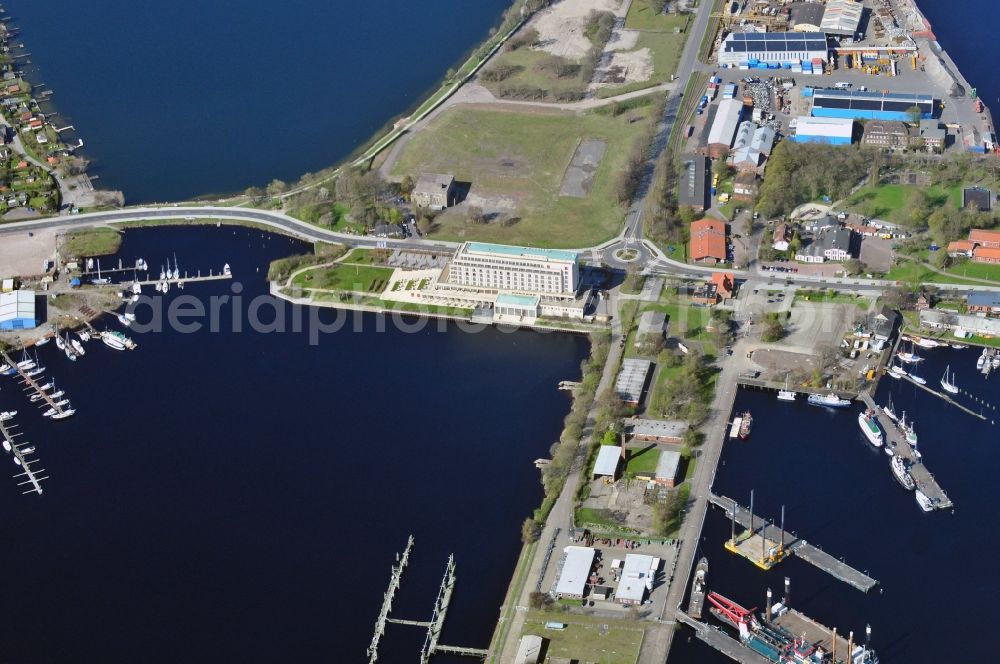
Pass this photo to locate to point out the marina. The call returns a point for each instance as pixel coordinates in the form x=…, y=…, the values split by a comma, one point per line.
x=29, y=479
x=783, y=544
x=57, y=410
x=896, y=441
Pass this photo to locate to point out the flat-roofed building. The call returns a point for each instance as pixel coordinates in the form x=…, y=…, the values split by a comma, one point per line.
x=933, y=134
x=694, y=182
x=519, y=270
x=638, y=578
x=651, y=323
x=516, y=306
x=576, y=565
x=806, y=16
x=979, y=198
x=529, y=649
x=666, y=468
x=835, y=131
x=870, y=105
x=983, y=302
x=631, y=382
x=434, y=190
x=776, y=47
x=963, y=324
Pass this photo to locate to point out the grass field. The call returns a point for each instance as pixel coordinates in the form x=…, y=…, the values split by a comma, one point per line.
x=888, y=200
x=520, y=158
x=588, y=639
x=658, y=33
x=91, y=242
x=910, y=271
x=359, y=278
x=642, y=459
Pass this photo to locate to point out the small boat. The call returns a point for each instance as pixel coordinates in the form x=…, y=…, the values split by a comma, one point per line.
x=30, y=449
x=163, y=275
x=901, y=473
x=870, y=428
x=786, y=394
x=63, y=415
x=35, y=372
x=896, y=371
x=746, y=424
x=910, y=357
x=100, y=281
x=7, y=370
x=981, y=360
x=54, y=395
x=948, y=381
x=926, y=343
x=70, y=354
x=84, y=335
x=136, y=289
x=6, y=445
x=889, y=411
x=48, y=386
x=60, y=343
x=225, y=270
x=141, y=265
x=78, y=347
x=926, y=504
x=7, y=415
x=43, y=341
x=996, y=362
x=829, y=400
x=959, y=346
x=124, y=321
x=916, y=379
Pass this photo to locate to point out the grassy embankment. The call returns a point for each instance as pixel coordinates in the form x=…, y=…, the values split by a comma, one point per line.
x=888, y=201
x=588, y=638
x=519, y=159
x=91, y=242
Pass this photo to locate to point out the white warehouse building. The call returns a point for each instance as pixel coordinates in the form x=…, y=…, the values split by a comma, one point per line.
x=503, y=268
x=773, y=47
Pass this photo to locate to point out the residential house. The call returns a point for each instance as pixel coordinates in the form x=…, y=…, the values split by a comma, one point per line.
x=708, y=241
x=978, y=198
x=883, y=324
x=434, y=191
x=782, y=236
x=961, y=249
x=745, y=187
x=923, y=302
x=986, y=255
x=832, y=244
x=889, y=134
x=982, y=302
x=985, y=238
x=725, y=284
x=933, y=134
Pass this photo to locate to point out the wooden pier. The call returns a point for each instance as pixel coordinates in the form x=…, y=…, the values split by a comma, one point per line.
x=721, y=641
x=32, y=478
x=188, y=279
x=896, y=440
x=945, y=397
x=397, y=575
x=794, y=545
x=32, y=386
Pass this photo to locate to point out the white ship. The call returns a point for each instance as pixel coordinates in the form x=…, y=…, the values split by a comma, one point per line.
x=948, y=381
x=896, y=372
x=70, y=412
x=902, y=475
x=981, y=361
x=78, y=347
x=870, y=428
x=786, y=394
x=829, y=400
x=926, y=504
x=926, y=343
x=112, y=340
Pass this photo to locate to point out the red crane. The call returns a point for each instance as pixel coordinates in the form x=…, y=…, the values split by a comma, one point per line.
x=729, y=609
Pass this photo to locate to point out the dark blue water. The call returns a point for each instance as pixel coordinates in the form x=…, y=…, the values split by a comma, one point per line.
x=967, y=30
x=938, y=571
x=240, y=497
x=183, y=98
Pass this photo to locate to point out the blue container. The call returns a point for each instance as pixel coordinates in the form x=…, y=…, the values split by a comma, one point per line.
x=786, y=65
x=807, y=92
x=761, y=65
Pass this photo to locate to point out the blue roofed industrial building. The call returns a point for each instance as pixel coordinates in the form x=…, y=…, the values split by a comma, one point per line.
x=870, y=105
x=17, y=310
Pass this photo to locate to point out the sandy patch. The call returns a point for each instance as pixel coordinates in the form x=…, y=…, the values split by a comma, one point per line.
x=625, y=67
x=560, y=27
x=21, y=255
x=622, y=40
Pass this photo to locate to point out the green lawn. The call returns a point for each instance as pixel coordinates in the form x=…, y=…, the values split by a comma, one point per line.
x=888, y=200
x=910, y=271
x=588, y=638
x=521, y=157
x=345, y=277
x=642, y=460
x=830, y=296
x=91, y=242
x=967, y=268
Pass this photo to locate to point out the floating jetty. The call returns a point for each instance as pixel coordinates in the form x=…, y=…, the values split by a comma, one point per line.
x=926, y=483
x=59, y=409
x=434, y=626
x=784, y=545
x=30, y=479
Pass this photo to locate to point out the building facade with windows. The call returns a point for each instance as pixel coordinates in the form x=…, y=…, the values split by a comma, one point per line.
x=503, y=268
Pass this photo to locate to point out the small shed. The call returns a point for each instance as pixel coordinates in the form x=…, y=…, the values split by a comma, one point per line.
x=667, y=467
x=529, y=650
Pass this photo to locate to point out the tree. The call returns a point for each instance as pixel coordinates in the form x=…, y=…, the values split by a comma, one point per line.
x=424, y=224
x=276, y=188
x=254, y=193
x=474, y=215
x=530, y=531
x=773, y=330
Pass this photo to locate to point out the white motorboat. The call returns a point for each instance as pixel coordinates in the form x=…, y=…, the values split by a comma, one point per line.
x=786, y=395
x=225, y=270
x=112, y=341
x=896, y=371
x=996, y=362
x=35, y=372
x=60, y=343
x=84, y=335
x=915, y=378
x=63, y=415
x=30, y=449
x=7, y=415
x=136, y=288
x=124, y=321
x=948, y=381
x=6, y=445
x=829, y=400
x=926, y=504
x=959, y=346
x=981, y=361
x=43, y=341
x=926, y=343
x=48, y=386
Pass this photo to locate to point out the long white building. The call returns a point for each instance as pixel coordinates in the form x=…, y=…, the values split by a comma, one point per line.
x=772, y=47
x=503, y=268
